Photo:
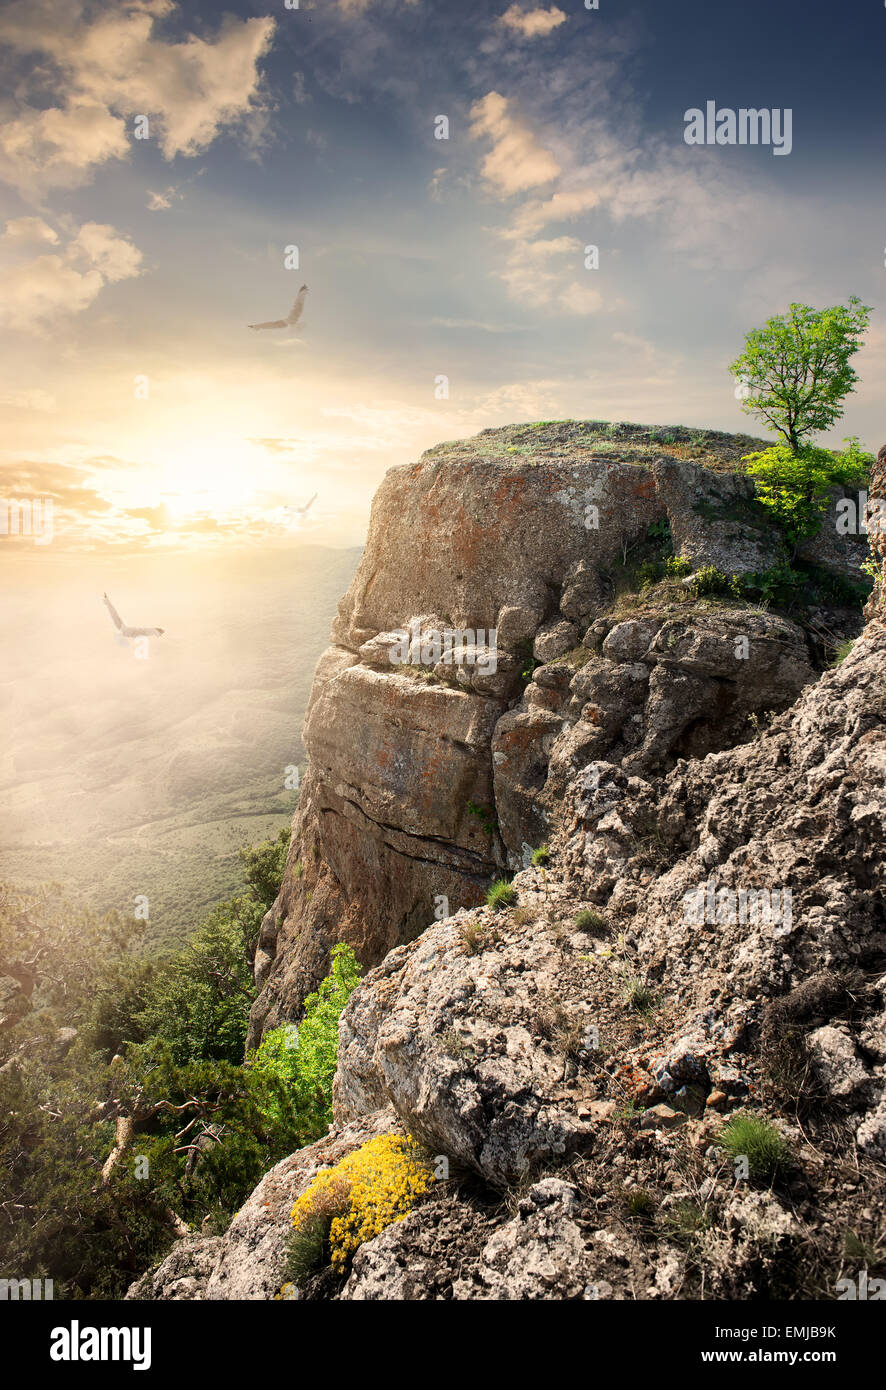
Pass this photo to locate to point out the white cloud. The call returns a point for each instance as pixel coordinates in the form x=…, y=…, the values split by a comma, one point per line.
x=528, y=273
x=580, y=299
x=113, y=66
x=36, y=292
x=562, y=206
x=112, y=255
x=517, y=160
x=532, y=23
x=59, y=147
x=31, y=230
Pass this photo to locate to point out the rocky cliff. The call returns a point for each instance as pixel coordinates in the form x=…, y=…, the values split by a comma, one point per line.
x=706, y=934
x=428, y=778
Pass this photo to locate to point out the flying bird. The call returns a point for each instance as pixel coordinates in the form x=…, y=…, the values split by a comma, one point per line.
x=301, y=510
x=130, y=631
x=292, y=317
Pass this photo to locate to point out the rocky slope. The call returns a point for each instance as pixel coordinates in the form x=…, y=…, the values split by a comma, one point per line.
x=707, y=936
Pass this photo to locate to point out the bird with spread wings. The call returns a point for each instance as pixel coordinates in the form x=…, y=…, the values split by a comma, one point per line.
x=292, y=317
x=126, y=631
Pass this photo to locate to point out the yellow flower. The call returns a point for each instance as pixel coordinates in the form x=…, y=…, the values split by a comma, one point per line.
x=373, y=1187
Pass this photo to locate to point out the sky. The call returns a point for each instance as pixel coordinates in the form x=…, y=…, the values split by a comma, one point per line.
x=134, y=252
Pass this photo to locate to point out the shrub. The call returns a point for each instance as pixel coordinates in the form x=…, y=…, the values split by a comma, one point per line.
x=842, y=650
x=638, y=994
x=709, y=580
x=501, y=895
x=304, y=1059
x=357, y=1199
x=590, y=921
x=748, y=1136
x=780, y=585
x=676, y=566
x=473, y=936
x=659, y=534
x=639, y=1203
x=794, y=487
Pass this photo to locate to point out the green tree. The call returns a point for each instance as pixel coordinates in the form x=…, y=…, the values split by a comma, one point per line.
x=797, y=368
x=264, y=865
x=796, y=485
x=198, y=1003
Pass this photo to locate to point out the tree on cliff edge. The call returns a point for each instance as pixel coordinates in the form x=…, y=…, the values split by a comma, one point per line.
x=796, y=368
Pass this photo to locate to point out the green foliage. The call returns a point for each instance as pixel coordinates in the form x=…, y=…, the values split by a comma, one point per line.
x=197, y=1004
x=528, y=661
x=841, y=651
x=795, y=486
x=304, y=1059
x=540, y=857
x=797, y=367
x=660, y=534
x=710, y=580
x=750, y=1137
x=307, y=1246
x=676, y=567
x=639, y=1204
x=501, y=895
x=205, y=1127
x=263, y=867
x=780, y=585
x=484, y=814
x=67, y=946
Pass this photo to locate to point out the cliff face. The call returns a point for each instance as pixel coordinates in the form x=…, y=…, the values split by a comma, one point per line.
x=427, y=778
x=708, y=936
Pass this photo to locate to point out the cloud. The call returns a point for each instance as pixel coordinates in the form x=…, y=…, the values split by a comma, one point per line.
x=63, y=283
x=59, y=147
x=275, y=444
x=159, y=202
x=478, y=325
x=580, y=299
x=30, y=230
x=113, y=66
x=532, y=23
x=529, y=274
x=114, y=256
x=562, y=206
x=517, y=160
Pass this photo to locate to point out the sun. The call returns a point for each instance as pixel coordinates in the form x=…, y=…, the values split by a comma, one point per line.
x=215, y=477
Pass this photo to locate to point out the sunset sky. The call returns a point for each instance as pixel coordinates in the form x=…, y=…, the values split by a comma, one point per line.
x=132, y=265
